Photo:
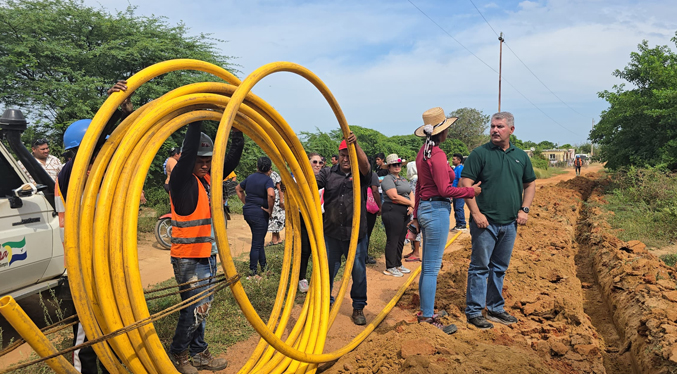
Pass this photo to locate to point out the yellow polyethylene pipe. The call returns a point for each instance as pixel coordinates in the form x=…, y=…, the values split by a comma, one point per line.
x=32, y=335
x=101, y=234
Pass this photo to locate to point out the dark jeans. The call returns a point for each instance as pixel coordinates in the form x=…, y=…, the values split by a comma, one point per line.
x=305, y=251
x=491, y=252
x=85, y=359
x=395, y=219
x=578, y=170
x=371, y=221
x=459, y=212
x=190, y=329
x=336, y=249
x=258, y=224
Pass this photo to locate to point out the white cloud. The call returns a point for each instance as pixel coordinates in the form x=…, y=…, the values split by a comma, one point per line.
x=386, y=63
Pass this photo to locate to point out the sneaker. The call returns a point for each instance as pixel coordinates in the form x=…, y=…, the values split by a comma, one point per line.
x=182, y=363
x=393, y=271
x=480, y=322
x=434, y=320
x=403, y=270
x=502, y=317
x=358, y=317
x=370, y=260
x=303, y=285
x=205, y=361
x=461, y=228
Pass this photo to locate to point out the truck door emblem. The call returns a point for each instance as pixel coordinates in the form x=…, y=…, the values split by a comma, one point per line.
x=12, y=252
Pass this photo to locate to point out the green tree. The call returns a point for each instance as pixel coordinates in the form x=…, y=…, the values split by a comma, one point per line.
x=321, y=142
x=451, y=146
x=516, y=142
x=470, y=127
x=59, y=57
x=546, y=145
x=640, y=126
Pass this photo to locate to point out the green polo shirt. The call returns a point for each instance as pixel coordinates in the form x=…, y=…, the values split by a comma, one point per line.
x=503, y=174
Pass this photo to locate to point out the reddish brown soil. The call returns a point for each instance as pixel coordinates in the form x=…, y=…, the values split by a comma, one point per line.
x=569, y=322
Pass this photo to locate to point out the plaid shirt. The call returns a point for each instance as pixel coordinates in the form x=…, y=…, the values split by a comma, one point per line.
x=52, y=166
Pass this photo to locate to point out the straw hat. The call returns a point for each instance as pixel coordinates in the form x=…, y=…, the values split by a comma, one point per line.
x=394, y=159
x=436, y=118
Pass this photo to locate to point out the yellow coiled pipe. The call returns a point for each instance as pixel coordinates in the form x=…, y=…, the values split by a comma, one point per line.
x=101, y=226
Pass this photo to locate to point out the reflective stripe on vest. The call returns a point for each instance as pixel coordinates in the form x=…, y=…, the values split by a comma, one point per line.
x=60, y=206
x=192, y=234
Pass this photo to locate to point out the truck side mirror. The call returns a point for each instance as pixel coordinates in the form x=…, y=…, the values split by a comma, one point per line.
x=15, y=202
x=28, y=189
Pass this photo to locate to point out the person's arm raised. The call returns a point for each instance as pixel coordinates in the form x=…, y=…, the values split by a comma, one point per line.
x=362, y=160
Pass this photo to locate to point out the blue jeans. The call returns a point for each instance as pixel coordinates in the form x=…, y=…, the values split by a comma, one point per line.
x=258, y=224
x=336, y=249
x=491, y=251
x=459, y=212
x=433, y=219
x=190, y=329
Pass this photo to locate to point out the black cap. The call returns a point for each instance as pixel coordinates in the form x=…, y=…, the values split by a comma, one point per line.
x=13, y=119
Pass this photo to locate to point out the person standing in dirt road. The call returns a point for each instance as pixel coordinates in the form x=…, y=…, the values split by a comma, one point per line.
x=508, y=188
x=193, y=253
x=170, y=162
x=84, y=359
x=432, y=208
x=337, y=182
x=578, y=162
x=459, y=204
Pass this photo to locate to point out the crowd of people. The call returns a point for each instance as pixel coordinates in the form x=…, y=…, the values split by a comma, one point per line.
x=496, y=182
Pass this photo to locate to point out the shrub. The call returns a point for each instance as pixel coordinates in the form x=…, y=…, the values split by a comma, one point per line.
x=540, y=163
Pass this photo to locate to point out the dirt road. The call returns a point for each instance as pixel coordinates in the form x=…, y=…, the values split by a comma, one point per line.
x=154, y=263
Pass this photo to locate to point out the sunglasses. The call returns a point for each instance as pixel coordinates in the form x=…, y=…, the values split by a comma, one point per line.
x=396, y=165
x=40, y=142
x=318, y=162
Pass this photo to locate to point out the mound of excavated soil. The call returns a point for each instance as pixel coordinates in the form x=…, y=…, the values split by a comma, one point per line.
x=640, y=289
x=564, y=323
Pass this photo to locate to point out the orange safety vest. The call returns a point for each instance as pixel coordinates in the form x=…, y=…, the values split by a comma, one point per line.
x=60, y=206
x=192, y=234
x=578, y=162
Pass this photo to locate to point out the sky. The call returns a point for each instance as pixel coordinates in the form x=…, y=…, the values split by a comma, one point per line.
x=387, y=61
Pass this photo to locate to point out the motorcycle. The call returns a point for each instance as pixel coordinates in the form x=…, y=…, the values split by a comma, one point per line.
x=163, y=226
x=163, y=231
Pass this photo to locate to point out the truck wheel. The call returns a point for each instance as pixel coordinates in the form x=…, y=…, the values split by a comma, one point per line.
x=163, y=232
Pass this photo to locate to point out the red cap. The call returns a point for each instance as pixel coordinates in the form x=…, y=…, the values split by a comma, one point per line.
x=343, y=145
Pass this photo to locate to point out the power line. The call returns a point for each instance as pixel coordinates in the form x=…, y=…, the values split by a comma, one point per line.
x=489, y=66
x=525, y=65
x=456, y=40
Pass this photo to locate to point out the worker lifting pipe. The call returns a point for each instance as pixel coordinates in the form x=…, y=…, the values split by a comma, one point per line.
x=104, y=272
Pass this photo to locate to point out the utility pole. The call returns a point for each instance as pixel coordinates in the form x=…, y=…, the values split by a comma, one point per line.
x=500, y=66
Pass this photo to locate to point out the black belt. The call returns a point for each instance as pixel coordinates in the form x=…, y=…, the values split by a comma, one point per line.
x=439, y=198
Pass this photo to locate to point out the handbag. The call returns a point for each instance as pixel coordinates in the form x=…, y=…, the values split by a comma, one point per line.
x=372, y=207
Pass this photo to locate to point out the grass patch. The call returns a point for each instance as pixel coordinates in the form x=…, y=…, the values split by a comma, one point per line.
x=644, y=202
x=226, y=324
x=547, y=173
x=61, y=339
x=377, y=242
x=670, y=259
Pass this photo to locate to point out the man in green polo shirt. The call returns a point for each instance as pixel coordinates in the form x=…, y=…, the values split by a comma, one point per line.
x=508, y=188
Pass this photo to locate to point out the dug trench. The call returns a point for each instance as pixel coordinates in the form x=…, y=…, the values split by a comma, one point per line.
x=586, y=303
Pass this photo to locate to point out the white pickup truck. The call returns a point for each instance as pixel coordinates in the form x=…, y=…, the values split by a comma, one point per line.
x=31, y=253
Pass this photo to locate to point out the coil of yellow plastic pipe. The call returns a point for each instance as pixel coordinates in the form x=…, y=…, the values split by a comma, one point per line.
x=101, y=234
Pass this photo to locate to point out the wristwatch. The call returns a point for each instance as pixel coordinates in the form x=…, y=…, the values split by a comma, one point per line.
x=525, y=209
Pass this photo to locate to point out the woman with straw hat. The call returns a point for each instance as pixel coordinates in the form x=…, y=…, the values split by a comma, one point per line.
x=433, y=207
x=397, y=207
